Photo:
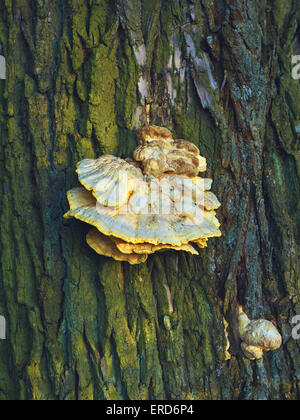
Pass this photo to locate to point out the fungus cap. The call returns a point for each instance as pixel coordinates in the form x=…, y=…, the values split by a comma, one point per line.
x=180, y=157
x=150, y=133
x=155, y=229
x=79, y=197
x=263, y=334
x=150, y=203
x=210, y=201
x=201, y=243
x=111, y=179
x=146, y=248
x=257, y=336
x=106, y=246
x=252, y=352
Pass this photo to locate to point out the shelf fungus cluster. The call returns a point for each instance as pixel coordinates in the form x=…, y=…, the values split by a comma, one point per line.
x=153, y=202
x=257, y=336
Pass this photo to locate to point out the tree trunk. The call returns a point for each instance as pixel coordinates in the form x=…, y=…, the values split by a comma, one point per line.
x=82, y=76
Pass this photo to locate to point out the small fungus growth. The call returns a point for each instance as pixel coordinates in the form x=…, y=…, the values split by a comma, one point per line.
x=227, y=348
x=257, y=336
x=153, y=202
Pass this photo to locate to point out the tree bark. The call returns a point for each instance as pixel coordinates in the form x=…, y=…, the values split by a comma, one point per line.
x=82, y=76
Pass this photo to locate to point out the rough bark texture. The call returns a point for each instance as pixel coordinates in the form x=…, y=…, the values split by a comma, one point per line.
x=80, y=78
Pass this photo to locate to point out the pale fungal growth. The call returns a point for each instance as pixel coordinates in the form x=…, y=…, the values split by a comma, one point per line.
x=146, y=248
x=104, y=245
x=227, y=354
x=153, y=133
x=160, y=154
x=257, y=336
x=155, y=202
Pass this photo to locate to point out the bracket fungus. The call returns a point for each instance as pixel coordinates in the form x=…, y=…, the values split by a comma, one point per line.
x=151, y=203
x=257, y=336
x=160, y=154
